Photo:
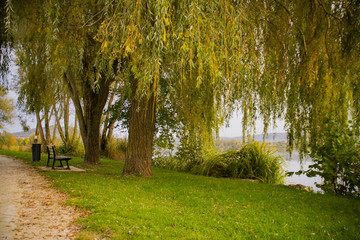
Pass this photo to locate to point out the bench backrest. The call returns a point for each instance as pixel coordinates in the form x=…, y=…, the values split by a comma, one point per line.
x=51, y=151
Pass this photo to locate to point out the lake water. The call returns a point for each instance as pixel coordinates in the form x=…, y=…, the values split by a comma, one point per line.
x=293, y=165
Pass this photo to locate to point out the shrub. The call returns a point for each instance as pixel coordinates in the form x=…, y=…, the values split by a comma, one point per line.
x=116, y=148
x=254, y=161
x=75, y=149
x=178, y=164
x=337, y=160
x=14, y=148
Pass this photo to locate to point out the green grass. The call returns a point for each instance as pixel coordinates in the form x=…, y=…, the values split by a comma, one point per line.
x=174, y=205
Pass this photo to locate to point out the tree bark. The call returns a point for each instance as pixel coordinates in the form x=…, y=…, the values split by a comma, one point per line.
x=141, y=134
x=47, y=127
x=89, y=115
x=66, y=110
x=106, y=137
x=75, y=134
x=58, y=125
x=65, y=115
x=107, y=128
x=40, y=129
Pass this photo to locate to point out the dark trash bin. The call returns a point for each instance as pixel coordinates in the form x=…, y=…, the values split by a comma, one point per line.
x=36, y=152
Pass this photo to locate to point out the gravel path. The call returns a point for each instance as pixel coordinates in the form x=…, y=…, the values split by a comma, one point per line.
x=29, y=208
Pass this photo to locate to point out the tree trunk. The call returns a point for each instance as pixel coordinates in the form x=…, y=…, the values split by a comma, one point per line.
x=92, y=138
x=40, y=128
x=66, y=110
x=54, y=133
x=106, y=137
x=65, y=115
x=141, y=134
x=47, y=116
x=89, y=115
x=74, y=134
x=58, y=126
x=40, y=131
x=107, y=128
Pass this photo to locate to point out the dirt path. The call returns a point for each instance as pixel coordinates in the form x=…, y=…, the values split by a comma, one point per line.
x=29, y=209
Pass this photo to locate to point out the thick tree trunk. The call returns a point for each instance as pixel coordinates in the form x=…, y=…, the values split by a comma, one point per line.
x=141, y=135
x=94, y=103
x=92, y=143
x=89, y=115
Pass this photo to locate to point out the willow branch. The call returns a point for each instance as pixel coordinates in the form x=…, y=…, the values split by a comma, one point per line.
x=327, y=12
x=301, y=32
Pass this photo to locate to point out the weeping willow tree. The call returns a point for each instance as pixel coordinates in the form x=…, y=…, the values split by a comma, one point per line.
x=180, y=55
x=35, y=88
x=65, y=31
x=195, y=62
x=308, y=52
x=6, y=107
x=204, y=59
x=5, y=41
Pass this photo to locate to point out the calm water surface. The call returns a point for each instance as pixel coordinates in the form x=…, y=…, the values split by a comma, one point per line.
x=292, y=164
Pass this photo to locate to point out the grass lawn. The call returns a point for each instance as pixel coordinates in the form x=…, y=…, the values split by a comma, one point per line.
x=173, y=205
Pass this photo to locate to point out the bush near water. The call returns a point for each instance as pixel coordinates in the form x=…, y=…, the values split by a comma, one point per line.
x=337, y=159
x=253, y=161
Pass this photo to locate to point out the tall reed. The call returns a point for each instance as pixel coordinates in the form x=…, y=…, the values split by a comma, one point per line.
x=253, y=161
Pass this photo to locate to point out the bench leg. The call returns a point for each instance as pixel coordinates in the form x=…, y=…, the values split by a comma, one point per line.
x=67, y=163
x=53, y=165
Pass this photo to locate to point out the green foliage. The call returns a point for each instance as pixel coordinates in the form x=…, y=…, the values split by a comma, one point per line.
x=5, y=138
x=6, y=108
x=188, y=155
x=116, y=148
x=36, y=82
x=25, y=141
x=75, y=149
x=5, y=41
x=174, y=205
x=9, y=142
x=201, y=60
x=252, y=161
x=337, y=159
x=310, y=72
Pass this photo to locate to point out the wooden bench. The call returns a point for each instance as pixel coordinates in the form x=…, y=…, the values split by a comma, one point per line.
x=52, y=155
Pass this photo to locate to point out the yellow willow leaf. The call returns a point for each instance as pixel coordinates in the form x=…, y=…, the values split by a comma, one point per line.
x=127, y=49
x=167, y=22
x=104, y=45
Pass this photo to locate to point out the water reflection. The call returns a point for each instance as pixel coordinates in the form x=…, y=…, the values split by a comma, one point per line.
x=292, y=164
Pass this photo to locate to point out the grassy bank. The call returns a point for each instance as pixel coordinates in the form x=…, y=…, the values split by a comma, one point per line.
x=173, y=205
